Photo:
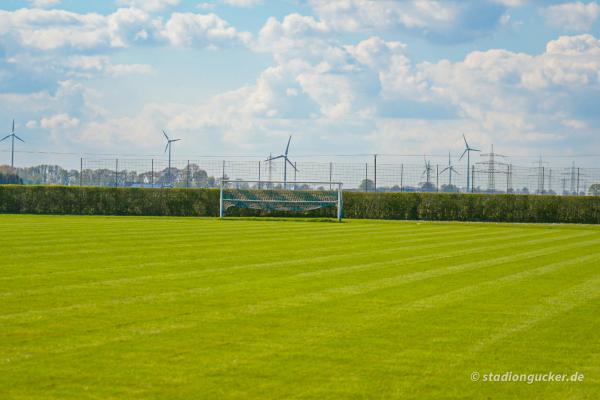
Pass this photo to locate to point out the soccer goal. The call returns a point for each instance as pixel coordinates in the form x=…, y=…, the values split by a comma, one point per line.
x=280, y=196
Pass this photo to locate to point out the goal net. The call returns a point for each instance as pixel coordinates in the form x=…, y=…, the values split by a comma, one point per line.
x=280, y=196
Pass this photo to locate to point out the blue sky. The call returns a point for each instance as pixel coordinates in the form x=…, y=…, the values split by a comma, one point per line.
x=344, y=77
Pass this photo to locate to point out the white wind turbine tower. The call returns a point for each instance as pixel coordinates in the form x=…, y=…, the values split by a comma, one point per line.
x=468, y=150
x=450, y=168
x=427, y=171
x=168, y=147
x=286, y=160
x=13, y=136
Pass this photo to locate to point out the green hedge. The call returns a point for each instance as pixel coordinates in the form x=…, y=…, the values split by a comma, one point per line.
x=205, y=202
x=107, y=201
x=473, y=207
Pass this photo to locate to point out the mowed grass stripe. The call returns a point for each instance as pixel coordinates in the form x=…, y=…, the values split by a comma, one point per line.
x=206, y=248
x=119, y=240
x=371, y=323
x=345, y=322
x=294, y=262
x=179, y=323
x=548, y=308
x=355, y=266
x=124, y=249
x=274, y=264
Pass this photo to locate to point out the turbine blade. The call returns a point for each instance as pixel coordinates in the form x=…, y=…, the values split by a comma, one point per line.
x=165, y=133
x=463, y=154
x=292, y=164
x=287, y=148
x=167, y=146
x=13, y=131
x=16, y=137
x=474, y=149
x=274, y=158
x=5, y=137
x=175, y=140
x=445, y=169
x=465, y=139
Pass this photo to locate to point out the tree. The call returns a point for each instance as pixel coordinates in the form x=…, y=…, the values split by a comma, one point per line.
x=449, y=188
x=10, y=179
x=367, y=185
x=428, y=187
x=594, y=189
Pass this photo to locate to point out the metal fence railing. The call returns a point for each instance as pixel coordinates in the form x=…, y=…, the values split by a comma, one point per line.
x=366, y=176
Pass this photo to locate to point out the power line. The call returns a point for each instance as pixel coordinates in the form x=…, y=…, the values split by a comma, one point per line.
x=536, y=156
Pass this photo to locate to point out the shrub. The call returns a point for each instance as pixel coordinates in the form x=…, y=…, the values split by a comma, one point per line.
x=17, y=199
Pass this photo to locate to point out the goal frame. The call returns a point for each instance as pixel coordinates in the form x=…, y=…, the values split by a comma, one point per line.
x=337, y=186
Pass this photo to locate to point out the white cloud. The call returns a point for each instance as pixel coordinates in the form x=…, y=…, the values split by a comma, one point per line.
x=242, y=3
x=366, y=94
x=48, y=30
x=512, y=3
x=59, y=121
x=575, y=17
x=54, y=29
x=206, y=6
x=31, y=124
x=574, y=123
x=44, y=3
x=439, y=21
x=149, y=5
x=102, y=64
x=297, y=37
x=117, y=70
x=201, y=30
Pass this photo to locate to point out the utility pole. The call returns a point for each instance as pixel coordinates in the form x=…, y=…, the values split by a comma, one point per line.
x=375, y=172
x=401, y=177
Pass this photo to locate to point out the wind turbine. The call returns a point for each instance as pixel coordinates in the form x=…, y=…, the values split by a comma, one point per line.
x=13, y=136
x=427, y=170
x=450, y=169
x=285, y=162
x=468, y=150
x=168, y=147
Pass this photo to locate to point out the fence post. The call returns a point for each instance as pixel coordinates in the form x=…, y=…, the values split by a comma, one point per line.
x=543, y=179
x=375, y=172
x=81, y=171
x=507, y=178
x=339, y=202
x=330, y=174
x=223, y=177
x=401, y=177
x=117, y=173
x=473, y=179
x=188, y=175
x=366, y=177
x=221, y=208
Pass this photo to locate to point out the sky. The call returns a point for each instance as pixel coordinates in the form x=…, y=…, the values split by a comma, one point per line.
x=237, y=77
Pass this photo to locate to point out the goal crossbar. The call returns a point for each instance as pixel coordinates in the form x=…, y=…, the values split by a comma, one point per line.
x=280, y=195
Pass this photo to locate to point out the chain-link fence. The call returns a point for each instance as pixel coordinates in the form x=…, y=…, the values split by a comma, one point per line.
x=481, y=177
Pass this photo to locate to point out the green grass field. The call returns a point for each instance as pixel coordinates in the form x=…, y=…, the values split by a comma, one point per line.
x=188, y=308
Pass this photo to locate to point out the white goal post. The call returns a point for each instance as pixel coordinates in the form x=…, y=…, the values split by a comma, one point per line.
x=280, y=196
